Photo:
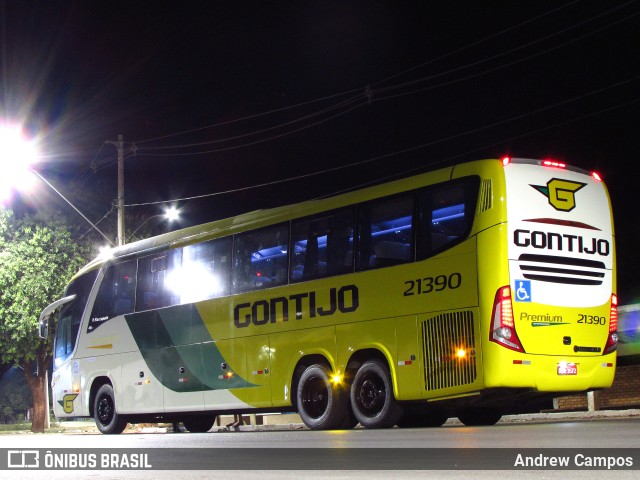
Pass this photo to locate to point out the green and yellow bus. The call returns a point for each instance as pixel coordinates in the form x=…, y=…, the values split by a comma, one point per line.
x=467, y=291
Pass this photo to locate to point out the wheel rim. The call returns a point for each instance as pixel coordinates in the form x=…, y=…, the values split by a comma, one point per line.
x=105, y=410
x=371, y=395
x=315, y=397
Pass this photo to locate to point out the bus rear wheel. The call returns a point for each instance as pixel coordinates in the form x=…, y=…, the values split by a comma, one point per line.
x=104, y=412
x=199, y=423
x=322, y=405
x=476, y=417
x=372, y=398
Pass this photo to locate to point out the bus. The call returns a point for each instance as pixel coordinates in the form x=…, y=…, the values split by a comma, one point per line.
x=468, y=291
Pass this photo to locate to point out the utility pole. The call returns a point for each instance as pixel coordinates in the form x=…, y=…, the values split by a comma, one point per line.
x=120, y=202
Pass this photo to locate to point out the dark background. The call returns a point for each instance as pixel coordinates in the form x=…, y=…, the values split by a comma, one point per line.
x=290, y=101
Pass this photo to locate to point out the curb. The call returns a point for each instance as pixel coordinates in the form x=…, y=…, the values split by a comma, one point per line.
x=291, y=422
x=78, y=427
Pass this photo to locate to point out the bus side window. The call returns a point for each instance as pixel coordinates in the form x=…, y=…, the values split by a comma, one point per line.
x=260, y=259
x=385, y=233
x=206, y=270
x=446, y=215
x=158, y=282
x=117, y=291
x=322, y=246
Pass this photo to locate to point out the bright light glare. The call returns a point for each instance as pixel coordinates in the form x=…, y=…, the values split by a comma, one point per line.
x=461, y=353
x=172, y=214
x=194, y=282
x=106, y=253
x=17, y=154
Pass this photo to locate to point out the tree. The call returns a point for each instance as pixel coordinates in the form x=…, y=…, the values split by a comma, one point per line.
x=37, y=259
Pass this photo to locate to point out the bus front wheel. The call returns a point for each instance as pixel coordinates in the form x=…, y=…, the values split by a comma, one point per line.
x=322, y=405
x=372, y=397
x=104, y=412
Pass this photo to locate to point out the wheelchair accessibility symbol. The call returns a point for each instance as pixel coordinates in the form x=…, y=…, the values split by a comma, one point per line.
x=523, y=290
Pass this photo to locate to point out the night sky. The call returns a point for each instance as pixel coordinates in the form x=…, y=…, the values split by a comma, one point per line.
x=215, y=97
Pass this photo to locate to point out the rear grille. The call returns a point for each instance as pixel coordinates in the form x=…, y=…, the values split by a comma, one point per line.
x=567, y=270
x=442, y=337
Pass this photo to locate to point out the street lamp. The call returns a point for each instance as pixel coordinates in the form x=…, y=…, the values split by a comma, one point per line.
x=170, y=214
x=17, y=154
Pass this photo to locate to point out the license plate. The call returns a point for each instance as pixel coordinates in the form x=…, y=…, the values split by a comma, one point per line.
x=568, y=369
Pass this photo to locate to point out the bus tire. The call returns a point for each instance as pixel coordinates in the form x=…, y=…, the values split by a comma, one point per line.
x=372, y=400
x=476, y=417
x=321, y=404
x=199, y=423
x=105, y=413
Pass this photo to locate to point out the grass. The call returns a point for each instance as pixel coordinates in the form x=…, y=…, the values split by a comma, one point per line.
x=15, y=427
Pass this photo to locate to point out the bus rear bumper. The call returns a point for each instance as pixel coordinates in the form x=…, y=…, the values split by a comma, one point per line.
x=552, y=374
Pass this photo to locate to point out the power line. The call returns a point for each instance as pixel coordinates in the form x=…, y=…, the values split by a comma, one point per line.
x=500, y=67
x=373, y=92
x=249, y=117
x=356, y=104
x=309, y=102
x=256, y=132
x=354, y=107
x=448, y=160
x=474, y=44
x=421, y=146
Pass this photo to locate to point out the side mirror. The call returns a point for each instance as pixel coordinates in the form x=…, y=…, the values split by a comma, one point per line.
x=43, y=321
x=43, y=327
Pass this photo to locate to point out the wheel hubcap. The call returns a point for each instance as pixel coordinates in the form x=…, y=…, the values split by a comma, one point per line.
x=105, y=411
x=315, y=398
x=371, y=395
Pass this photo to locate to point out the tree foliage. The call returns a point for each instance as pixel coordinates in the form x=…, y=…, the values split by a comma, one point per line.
x=38, y=257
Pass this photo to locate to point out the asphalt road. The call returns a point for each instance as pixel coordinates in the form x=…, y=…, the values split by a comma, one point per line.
x=235, y=454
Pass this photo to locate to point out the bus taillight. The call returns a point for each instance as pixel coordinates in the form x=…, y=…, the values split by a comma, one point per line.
x=503, y=330
x=612, y=340
x=553, y=163
x=596, y=176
